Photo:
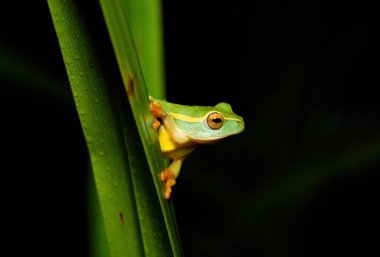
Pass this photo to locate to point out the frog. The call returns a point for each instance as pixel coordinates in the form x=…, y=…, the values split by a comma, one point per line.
x=182, y=128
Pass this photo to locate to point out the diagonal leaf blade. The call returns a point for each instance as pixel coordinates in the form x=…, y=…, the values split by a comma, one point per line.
x=117, y=22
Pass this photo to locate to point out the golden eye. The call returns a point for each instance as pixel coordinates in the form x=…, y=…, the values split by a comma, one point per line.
x=215, y=120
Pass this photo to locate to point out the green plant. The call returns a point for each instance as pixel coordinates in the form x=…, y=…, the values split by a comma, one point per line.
x=138, y=221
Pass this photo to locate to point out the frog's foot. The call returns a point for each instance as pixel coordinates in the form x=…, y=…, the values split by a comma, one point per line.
x=156, y=110
x=168, y=178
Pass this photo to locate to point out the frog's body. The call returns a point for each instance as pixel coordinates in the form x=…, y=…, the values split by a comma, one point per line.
x=183, y=127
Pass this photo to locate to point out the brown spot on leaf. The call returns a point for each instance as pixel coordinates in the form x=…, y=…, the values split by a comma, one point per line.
x=121, y=217
x=130, y=86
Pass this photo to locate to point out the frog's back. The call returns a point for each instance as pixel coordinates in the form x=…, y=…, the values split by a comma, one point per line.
x=193, y=111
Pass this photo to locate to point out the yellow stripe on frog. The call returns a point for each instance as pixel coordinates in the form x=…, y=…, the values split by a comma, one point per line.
x=187, y=118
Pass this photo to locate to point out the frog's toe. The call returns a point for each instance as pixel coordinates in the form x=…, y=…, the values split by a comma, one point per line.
x=156, y=110
x=156, y=124
x=168, y=187
x=168, y=178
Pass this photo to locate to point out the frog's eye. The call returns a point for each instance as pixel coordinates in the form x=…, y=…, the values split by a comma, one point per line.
x=215, y=120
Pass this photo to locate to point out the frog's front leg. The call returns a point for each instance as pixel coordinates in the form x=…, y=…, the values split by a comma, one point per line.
x=157, y=111
x=169, y=175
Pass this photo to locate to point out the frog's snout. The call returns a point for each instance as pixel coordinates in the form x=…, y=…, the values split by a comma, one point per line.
x=240, y=125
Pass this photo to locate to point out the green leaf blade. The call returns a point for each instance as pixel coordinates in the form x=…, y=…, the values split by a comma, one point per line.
x=145, y=19
x=117, y=21
x=102, y=131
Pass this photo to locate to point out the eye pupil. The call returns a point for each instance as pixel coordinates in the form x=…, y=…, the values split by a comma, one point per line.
x=216, y=120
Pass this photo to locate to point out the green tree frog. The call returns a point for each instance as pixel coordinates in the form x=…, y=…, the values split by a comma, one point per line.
x=181, y=128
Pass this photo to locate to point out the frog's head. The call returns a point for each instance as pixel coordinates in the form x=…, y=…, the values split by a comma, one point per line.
x=211, y=123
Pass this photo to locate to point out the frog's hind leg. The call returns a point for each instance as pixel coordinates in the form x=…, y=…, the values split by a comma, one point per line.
x=169, y=175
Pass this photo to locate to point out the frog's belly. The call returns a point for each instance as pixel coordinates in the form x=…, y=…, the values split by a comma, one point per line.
x=178, y=153
x=171, y=149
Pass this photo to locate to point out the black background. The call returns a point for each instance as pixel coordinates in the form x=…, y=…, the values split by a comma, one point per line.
x=302, y=180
